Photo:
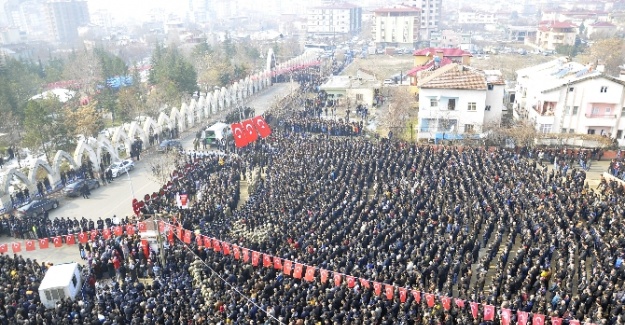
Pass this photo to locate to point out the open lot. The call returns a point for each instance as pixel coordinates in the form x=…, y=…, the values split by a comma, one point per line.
x=384, y=66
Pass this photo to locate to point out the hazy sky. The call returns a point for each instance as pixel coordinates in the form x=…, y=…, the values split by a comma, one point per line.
x=138, y=9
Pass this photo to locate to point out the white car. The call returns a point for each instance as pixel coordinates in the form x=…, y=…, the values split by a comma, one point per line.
x=121, y=167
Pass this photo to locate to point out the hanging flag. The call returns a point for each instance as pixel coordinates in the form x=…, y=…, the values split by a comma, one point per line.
x=106, y=233
x=555, y=321
x=489, y=313
x=267, y=262
x=83, y=237
x=522, y=317
x=70, y=240
x=4, y=248
x=43, y=243
x=30, y=245
x=240, y=139
x=390, y=291
x=250, y=131
x=297, y=272
x=236, y=252
x=446, y=302
x=179, y=232
x=459, y=303
x=506, y=316
x=225, y=248
x=143, y=227
x=364, y=283
x=161, y=227
x=324, y=275
x=417, y=296
x=58, y=242
x=288, y=265
x=429, y=299
x=118, y=231
x=539, y=319
x=246, y=255
x=16, y=247
x=261, y=126
x=130, y=229
x=255, y=258
x=338, y=278
x=351, y=281
x=377, y=288
x=94, y=235
x=199, y=241
x=403, y=293
x=187, y=237
x=277, y=263
x=208, y=243
x=310, y=274
x=216, y=245
x=474, y=309
x=573, y=322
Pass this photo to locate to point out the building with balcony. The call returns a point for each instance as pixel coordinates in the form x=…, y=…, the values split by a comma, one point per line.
x=553, y=34
x=349, y=91
x=457, y=101
x=396, y=26
x=469, y=16
x=334, y=19
x=601, y=29
x=451, y=39
x=560, y=96
x=64, y=17
x=430, y=15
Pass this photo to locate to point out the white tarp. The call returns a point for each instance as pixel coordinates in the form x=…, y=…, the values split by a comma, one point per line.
x=61, y=281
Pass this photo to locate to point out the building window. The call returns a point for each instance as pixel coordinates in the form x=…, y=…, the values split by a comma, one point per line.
x=433, y=102
x=468, y=128
x=358, y=96
x=608, y=110
x=491, y=87
x=591, y=131
x=571, y=130
x=604, y=89
x=472, y=106
x=563, y=130
x=451, y=104
x=575, y=109
x=595, y=111
x=571, y=88
x=545, y=128
x=619, y=134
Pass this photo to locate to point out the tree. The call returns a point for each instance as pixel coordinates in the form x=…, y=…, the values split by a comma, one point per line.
x=402, y=113
x=85, y=69
x=83, y=120
x=39, y=120
x=163, y=167
x=168, y=65
x=608, y=52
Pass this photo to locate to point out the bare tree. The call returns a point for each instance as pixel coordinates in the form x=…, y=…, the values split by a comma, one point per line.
x=402, y=112
x=163, y=167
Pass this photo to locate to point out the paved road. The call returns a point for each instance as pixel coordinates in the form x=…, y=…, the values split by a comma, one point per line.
x=116, y=198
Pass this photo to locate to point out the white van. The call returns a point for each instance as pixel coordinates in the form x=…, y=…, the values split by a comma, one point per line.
x=216, y=133
x=61, y=281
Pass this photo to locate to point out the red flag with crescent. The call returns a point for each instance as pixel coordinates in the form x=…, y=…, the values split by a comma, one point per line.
x=287, y=267
x=324, y=275
x=43, y=243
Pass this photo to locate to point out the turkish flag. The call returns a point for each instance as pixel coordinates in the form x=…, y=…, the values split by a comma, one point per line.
x=573, y=322
x=403, y=293
x=83, y=238
x=310, y=274
x=225, y=248
x=216, y=245
x=130, y=229
x=161, y=226
x=236, y=252
x=187, y=236
x=459, y=303
x=538, y=319
x=489, y=313
x=179, y=232
x=4, y=248
x=474, y=309
x=93, y=234
x=16, y=247
x=199, y=240
x=58, y=242
x=522, y=317
x=30, y=245
x=377, y=288
x=429, y=299
x=255, y=258
x=106, y=233
x=288, y=265
x=351, y=281
x=554, y=321
x=70, y=240
x=338, y=278
x=324, y=275
x=277, y=263
x=246, y=255
x=240, y=137
x=250, y=131
x=297, y=272
x=43, y=243
x=506, y=316
x=364, y=283
x=118, y=231
x=261, y=126
x=143, y=227
x=267, y=262
x=390, y=291
x=208, y=243
x=417, y=296
x=446, y=302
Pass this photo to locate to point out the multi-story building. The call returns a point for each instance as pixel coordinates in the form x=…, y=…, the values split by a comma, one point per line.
x=560, y=96
x=430, y=16
x=469, y=16
x=553, y=34
x=64, y=17
x=451, y=39
x=334, y=19
x=396, y=26
x=457, y=101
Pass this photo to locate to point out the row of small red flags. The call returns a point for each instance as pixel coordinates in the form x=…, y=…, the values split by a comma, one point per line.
x=289, y=268
x=247, y=131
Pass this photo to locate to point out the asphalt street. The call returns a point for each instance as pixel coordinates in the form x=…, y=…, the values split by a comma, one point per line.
x=115, y=198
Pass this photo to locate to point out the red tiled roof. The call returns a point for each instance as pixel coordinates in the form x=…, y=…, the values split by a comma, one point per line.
x=415, y=70
x=453, y=76
x=602, y=24
x=400, y=8
x=557, y=24
x=446, y=52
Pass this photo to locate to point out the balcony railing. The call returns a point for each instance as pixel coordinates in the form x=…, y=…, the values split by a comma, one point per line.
x=601, y=115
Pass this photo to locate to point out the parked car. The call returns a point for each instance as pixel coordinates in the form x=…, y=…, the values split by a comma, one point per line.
x=167, y=145
x=36, y=208
x=389, y=82
x=121, y=167
x=73, y=189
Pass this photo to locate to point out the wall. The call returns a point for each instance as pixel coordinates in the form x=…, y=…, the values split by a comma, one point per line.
x=461, y=114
